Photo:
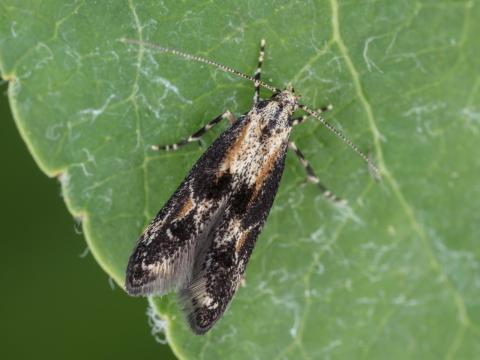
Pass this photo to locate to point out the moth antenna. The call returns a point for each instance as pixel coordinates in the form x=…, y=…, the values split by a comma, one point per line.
x=188, y=56
x=371, y=166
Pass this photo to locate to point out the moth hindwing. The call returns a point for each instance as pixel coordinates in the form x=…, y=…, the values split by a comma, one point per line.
x=200, y=242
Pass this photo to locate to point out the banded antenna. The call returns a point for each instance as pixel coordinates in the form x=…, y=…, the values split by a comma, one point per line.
x=371, y=166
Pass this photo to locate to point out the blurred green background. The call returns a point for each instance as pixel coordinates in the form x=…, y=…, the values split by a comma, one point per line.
x=56, y=304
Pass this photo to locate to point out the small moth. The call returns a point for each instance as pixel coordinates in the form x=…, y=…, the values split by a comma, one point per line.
x=200, y=242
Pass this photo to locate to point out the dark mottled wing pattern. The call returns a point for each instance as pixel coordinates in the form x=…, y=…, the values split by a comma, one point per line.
x=218, y=273
x=164, y=255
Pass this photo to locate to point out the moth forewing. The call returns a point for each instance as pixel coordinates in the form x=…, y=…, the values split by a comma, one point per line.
x=164, y=255
x=256, y=164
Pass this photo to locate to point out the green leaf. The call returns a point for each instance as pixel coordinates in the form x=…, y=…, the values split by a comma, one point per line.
x=395, y=274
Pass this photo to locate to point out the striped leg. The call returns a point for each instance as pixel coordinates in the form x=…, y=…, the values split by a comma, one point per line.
x=312, y=177
x=301, y=119
x=258, y=72
x=198, y=134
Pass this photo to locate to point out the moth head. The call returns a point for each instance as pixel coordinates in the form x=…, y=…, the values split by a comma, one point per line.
x=287, y=97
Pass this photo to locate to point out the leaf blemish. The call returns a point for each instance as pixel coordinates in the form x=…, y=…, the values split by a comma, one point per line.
x=97, y=112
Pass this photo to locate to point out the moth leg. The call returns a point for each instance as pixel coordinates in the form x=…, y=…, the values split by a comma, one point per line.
x=301, y=119
x=311, y=175
x=258, y=72
x=196, y=136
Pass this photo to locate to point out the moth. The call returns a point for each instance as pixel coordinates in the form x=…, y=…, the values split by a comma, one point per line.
x=200, y=242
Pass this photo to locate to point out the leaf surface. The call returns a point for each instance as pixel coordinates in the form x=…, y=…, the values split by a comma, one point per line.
x=396, y=272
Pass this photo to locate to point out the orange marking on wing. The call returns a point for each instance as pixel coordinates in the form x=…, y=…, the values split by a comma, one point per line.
x=265, y=171
x=241, y=240
x=233, y=151
x=186, y=208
